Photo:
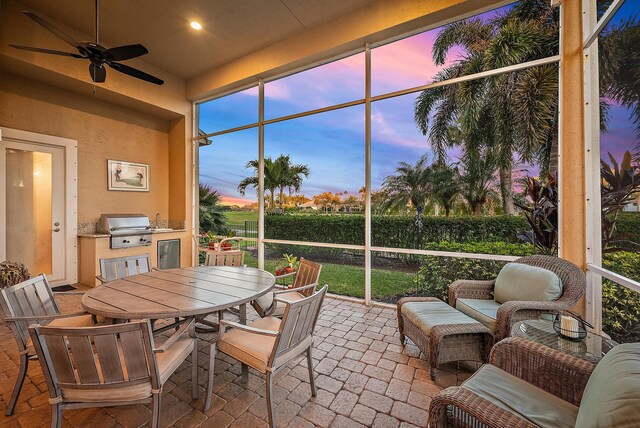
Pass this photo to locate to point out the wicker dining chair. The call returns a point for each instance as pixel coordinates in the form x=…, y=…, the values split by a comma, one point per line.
x=121, y=267
x=304, y=285
x=28, y=302
x=573, y=288
x=269, y=343
x=111, y=365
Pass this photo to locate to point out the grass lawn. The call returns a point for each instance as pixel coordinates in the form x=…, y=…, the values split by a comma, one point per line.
x=349, y=280
x=239, y=217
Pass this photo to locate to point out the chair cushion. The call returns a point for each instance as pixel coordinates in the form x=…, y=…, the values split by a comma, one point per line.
x=265, y=301
x=612, y=395
x=517, y=281
x=173, y=357
x=292, y=296
x=426, y=315
x=79, y=321
x=101, y=394
x=484, y=311
x=517, y=396
x=250, y=348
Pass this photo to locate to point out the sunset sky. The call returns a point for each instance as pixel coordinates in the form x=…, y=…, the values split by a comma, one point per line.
x=332, y=144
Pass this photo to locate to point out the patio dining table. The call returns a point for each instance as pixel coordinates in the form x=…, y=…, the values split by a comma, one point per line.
x=182, y=292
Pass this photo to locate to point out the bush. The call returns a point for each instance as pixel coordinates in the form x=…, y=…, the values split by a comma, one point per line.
x=628, y=227
x=621, y=306
x=436, y=273
x=393, y=231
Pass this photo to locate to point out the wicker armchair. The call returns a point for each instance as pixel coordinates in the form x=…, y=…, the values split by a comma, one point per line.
x=573, y=287
x=554, y=372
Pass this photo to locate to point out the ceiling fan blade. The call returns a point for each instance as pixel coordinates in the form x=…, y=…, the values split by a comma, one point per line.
x=47, y=51
x=64, y=36
x=98, y=72
x=121, y=53
x=135, y=73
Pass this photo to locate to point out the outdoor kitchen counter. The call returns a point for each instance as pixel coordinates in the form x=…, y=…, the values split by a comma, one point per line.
x=104, y=235
x=94, y=246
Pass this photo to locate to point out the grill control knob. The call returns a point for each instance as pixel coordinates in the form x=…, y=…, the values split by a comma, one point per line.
x=124, y=241
x=141, y=239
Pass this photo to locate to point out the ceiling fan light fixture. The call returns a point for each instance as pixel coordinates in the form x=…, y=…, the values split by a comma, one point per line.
x=196, y=25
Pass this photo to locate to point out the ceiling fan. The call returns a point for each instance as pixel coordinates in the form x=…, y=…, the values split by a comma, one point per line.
x=94, y=52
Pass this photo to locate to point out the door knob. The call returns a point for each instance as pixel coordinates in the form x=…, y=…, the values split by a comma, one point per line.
x=57, y=223
x=57, y=229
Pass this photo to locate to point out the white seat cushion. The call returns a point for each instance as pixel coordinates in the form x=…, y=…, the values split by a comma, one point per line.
x=426, y=315
x=521, y=282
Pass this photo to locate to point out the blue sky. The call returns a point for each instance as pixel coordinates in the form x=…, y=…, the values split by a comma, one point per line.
x=332, y=143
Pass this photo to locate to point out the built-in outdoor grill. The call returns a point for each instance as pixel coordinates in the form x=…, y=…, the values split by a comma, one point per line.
x=126, y=230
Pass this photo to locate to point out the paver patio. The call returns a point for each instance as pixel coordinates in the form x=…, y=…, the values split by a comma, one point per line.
x=364, y=378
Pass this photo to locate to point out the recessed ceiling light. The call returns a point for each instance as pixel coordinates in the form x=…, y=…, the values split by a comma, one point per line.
x=196, y=25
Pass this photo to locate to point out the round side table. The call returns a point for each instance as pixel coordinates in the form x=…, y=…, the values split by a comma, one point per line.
x=592, y=348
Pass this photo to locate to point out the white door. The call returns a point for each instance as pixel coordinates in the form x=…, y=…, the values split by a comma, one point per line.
x=34, y=196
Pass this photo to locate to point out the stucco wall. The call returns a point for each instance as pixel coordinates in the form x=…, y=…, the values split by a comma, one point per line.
x=103, y=131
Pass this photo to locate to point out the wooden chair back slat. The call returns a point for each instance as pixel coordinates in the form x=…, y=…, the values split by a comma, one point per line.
x=308, y=273
x=298, y=321
x=122, y=267
x=108, y=355
x=29, y=298
x=58, y=355
x=224, y=258
x=132, y=347
x=84, y=359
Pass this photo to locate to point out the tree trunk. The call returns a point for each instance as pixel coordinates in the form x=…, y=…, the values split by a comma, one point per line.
x=273, y=200
x=506, y=190
x=447, y=210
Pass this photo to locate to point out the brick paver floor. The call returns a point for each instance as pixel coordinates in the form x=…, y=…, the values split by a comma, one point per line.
x=364, y=378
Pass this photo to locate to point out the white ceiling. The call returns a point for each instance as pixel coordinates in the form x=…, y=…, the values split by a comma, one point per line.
x=232, y=28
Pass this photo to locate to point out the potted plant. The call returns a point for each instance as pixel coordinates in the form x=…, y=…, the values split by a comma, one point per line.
x=279, y=271
x=227, y=245
x=214, y=240
x=291, y=261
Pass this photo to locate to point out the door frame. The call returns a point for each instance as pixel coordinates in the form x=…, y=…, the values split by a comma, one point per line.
x=71, y=195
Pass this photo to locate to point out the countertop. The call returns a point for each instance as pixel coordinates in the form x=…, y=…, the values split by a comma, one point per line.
x=106, y=235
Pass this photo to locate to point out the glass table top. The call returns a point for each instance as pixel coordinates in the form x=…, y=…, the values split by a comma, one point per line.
x=592, y=348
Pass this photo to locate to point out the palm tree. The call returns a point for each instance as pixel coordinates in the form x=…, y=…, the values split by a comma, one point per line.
x=291, y=176
x=278, y=174
x=505, y=114
x=212, y=218
x=477, y=179
x=409, y=186
x=444, y=184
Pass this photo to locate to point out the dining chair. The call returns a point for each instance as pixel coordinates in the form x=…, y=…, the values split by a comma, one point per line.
x=225, y=258
x=304, y=285
x=28, y=302
x=121, y=267
x=110, y=365
x=232, y=258
x=269, y=343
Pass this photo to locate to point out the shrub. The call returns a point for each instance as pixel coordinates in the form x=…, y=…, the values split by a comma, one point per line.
x=436, y=272
x=620, y=305
x=393, y=231
x=628, y=228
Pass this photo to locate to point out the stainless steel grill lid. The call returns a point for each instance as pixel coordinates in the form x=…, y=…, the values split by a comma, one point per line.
x=126, y=230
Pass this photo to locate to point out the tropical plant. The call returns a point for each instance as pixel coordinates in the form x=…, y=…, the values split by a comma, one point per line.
x=212, y=218
x=444, y=185
x=409, y=186
x=477, y=179
x=619, y=186
x=541, y=214
x=278, y=174
x=504, y=114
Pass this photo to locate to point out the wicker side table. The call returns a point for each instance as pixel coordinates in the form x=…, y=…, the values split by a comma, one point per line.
x=461, y=339
x=591, y=349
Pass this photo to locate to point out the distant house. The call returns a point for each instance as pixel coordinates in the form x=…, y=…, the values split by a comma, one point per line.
x=310, y=206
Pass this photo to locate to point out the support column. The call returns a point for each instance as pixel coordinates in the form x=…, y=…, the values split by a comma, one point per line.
x=571, y=171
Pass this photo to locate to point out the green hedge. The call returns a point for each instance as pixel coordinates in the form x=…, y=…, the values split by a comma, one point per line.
x=621, y=306
x=393, y=231
x=436, y=273
x=628, y=227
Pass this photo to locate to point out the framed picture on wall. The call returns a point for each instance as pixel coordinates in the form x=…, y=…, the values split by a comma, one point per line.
x=128, y=176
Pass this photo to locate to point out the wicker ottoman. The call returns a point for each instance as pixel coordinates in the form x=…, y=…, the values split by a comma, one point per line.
x=441, y=332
